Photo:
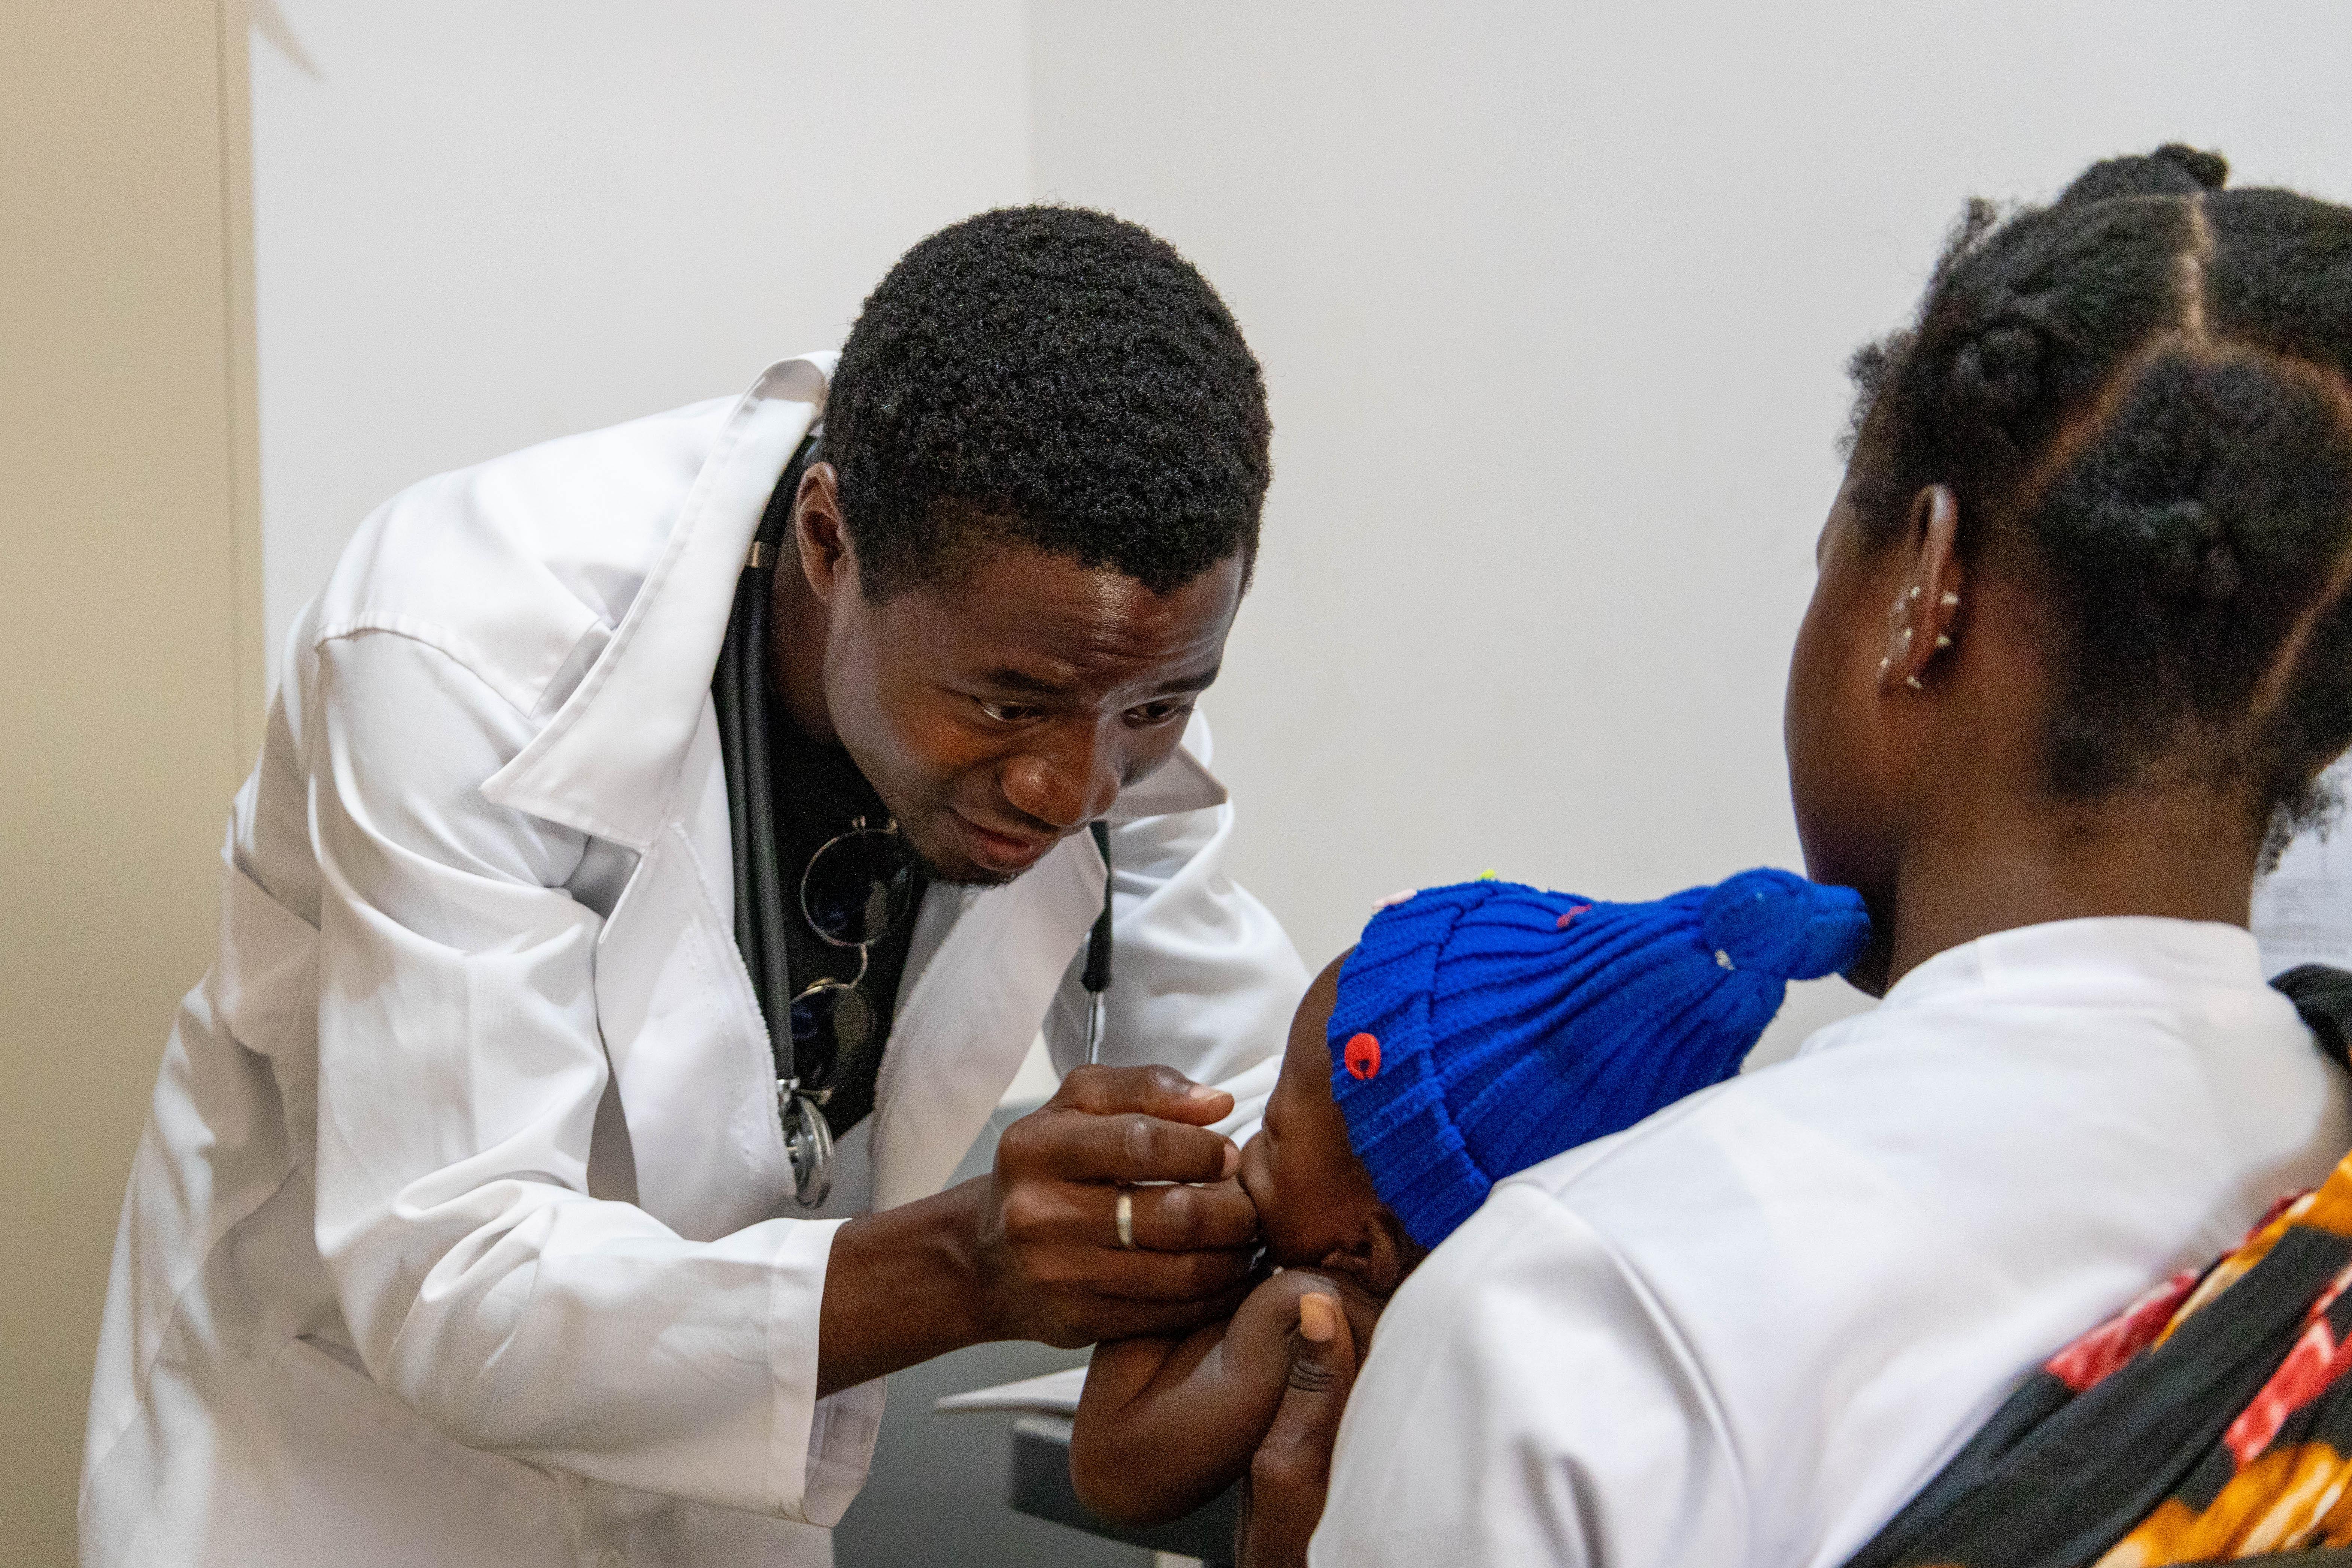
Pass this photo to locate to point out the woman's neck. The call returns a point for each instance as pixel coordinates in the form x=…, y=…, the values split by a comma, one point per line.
x=1990, y=865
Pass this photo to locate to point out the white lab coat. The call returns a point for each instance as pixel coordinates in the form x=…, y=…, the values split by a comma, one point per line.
x=1744, y=1332
x=461, y=1231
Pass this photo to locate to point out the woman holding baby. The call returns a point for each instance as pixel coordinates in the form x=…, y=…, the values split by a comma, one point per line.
x=2078, y=652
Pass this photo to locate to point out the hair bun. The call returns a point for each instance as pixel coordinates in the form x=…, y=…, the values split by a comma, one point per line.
x=2172, y=169
x=2209, y=170
x=1999, y=371
x=2194, y=557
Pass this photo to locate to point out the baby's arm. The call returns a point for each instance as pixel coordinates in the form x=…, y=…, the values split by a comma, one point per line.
x=1166, y=1425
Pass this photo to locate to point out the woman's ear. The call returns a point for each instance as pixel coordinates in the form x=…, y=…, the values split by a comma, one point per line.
x=1923, y=625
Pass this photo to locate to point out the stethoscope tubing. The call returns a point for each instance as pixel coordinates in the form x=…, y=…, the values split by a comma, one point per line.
x=739, y=690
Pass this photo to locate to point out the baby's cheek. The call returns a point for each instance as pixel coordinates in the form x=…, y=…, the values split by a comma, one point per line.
x=1291, y=1216
x=1257, y=1182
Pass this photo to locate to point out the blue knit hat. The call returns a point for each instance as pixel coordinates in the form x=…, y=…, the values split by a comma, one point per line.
x=1482, y=1027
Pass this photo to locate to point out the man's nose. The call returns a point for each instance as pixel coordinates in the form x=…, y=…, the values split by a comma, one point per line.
x=1071, y=778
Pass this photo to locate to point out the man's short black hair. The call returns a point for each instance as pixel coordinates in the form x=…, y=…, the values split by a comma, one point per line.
x=1053, y=376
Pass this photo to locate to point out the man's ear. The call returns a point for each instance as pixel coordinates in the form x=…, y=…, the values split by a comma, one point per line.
x=827, y=559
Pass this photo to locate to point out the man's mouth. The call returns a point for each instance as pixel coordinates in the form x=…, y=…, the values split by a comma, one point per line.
x=1004, y=853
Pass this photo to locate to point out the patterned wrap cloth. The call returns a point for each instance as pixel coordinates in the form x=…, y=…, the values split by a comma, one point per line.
x=2210, y=1420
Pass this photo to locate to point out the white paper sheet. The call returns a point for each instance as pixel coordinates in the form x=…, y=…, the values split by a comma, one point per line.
x=2303, y=910
x=1056, y=1392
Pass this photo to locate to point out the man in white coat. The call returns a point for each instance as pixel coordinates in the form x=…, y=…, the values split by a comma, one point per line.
x=464, y=1229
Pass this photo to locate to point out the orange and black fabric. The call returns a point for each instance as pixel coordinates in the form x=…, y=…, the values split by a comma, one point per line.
x=2210, y=1420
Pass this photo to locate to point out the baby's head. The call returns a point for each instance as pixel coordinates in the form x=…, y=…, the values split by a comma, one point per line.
x=1317, y=1206
x=1476, y=1030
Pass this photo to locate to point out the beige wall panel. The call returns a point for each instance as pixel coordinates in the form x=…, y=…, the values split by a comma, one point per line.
x=126, y=674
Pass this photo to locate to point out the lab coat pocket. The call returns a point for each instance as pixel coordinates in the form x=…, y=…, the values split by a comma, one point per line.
x=480, y=1508
x=689, y=1053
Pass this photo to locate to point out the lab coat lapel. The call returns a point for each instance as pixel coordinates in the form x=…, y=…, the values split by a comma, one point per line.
x=608, y=763
x=1184, y=783
x=967, y=1021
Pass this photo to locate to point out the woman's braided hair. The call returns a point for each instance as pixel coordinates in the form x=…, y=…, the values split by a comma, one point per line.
x=2139, y=395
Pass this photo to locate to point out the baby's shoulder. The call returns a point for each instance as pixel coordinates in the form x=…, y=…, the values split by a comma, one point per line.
x=1276, y=1296
x=1267, y=1316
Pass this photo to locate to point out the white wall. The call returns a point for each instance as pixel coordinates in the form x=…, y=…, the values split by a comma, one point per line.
x=1555, y=303
x=480, y=225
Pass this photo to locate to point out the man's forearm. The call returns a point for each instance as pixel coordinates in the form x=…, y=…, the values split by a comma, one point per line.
x=901, y=1287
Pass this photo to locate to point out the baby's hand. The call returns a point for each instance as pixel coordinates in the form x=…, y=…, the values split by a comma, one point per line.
x=1165, y=1424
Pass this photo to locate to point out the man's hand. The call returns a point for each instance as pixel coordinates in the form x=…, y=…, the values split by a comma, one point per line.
x=1049, y=1248
x=1032, y=1250
x=1282, y=1498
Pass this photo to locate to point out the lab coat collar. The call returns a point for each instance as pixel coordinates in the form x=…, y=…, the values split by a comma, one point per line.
x=2062, y=959
x=2105, y=961
x=1183, y=783
x=608, y=763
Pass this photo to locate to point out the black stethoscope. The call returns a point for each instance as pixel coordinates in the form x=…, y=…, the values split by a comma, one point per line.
x=867, y=882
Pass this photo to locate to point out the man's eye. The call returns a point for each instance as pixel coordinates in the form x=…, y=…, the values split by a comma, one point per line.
x=1161, y=712
x=1008, y=712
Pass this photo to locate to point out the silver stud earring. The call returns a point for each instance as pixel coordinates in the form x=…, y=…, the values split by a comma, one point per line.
x=1914, y=592
x=1942, y=642
x=1913, y=682
x=1906, y=637
x=1950, y=601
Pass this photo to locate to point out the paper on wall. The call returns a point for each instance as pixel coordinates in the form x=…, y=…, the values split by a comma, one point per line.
x=2303, y=910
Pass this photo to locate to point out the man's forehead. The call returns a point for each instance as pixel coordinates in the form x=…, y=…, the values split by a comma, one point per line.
x=1048, y=620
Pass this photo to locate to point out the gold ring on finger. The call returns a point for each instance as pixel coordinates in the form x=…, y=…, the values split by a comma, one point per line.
x=1125, y=1211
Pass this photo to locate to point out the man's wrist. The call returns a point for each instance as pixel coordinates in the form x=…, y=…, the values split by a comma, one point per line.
x=903, y=1286
x=955, y=1236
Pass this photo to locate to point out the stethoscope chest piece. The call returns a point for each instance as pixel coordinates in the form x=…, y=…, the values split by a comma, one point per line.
x=808, y=1146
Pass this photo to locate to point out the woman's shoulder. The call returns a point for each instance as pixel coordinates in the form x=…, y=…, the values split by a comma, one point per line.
x=1823, y=1269
x=1973, y=1101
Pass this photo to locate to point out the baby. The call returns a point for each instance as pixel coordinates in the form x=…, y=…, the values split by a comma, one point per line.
x=1474, y=1031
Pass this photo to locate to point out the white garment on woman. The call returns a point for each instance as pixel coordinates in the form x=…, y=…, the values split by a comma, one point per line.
x=461, y=1233
x=1744, y=1332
